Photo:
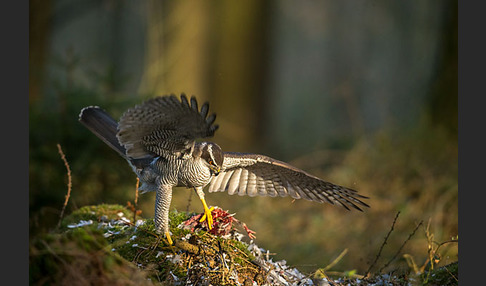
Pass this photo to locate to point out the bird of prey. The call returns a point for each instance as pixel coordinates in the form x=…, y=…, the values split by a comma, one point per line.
x=158, y=139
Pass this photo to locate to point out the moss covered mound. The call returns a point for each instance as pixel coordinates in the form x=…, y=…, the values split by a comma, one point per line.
x=101, y=245
x=108, y=245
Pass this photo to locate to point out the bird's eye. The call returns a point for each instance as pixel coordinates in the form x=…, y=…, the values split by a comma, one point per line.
x=211, y=162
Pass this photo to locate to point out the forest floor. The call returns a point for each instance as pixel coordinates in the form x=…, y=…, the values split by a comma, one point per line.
x=113, y=245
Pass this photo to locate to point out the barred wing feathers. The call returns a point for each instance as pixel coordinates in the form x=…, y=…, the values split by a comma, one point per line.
x=259, y=175
x=164, y=126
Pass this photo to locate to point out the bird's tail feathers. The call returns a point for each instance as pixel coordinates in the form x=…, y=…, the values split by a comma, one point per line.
x=102, y=125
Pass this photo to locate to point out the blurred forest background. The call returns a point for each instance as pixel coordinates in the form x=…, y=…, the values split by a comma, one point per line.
x=360, y=93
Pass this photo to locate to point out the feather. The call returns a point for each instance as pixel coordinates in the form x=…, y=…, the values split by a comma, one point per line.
x=184, y=101
x=102, y=125
x=243, y=182
x=226, y=177
x=164, y=126
x=204, y=110
x=251, y=188
x=269, y=189
x=234, y=182
x=211, y=118
x=194, y=104
x=216, y=183
x=264, y=176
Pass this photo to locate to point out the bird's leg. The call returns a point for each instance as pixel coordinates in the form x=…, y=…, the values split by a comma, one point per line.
x=163, y=197
x=207, y=211
x=169, y=239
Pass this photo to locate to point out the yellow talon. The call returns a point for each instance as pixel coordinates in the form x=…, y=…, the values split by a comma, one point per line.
x=207, y=214
x=167, y=235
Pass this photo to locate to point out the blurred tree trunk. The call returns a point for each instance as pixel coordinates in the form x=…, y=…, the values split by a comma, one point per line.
x=39, y=20
x=177, y=40
x=239, y=66
x=443, y=101
x=216, y=51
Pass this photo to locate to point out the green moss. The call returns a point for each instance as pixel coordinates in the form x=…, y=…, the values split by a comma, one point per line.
x=148, y=226
x=88, y=239
x=95, y=213
x=111, y=247
x=446, y=275
x=243, y=247
x=176, y=218
x=82, y=255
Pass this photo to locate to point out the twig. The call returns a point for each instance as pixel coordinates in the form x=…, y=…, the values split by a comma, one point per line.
x=433, y=251
x=133, y=207
x=450, y=273
x=401, y=247
x=343, y=274
x=323, y=271
x=432, y=254
x=382, y=245
x=63, y=157
x=189, y=202
x=445, y=242
x=336, y=260
x=136, y=191
x=136, y=200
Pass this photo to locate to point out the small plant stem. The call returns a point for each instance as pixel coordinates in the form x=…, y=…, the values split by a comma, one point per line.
x=382, y=245
x=63, y=157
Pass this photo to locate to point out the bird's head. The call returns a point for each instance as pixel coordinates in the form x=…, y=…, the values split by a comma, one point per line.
x=212, y=154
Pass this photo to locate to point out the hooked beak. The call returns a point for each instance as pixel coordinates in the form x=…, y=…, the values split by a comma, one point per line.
x=215, y=170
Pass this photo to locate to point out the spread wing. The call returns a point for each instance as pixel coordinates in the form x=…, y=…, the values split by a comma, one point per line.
x=164, y=126
x=252, y=175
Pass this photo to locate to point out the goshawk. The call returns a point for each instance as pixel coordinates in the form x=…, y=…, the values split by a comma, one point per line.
x=158, y=139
